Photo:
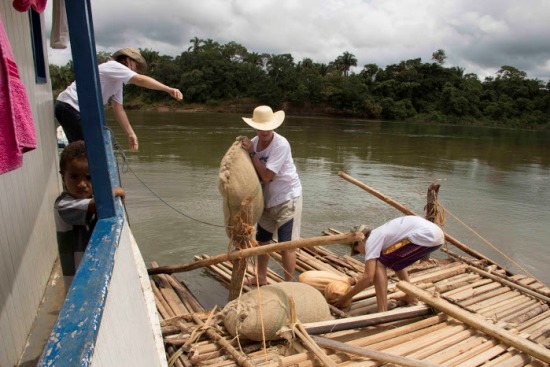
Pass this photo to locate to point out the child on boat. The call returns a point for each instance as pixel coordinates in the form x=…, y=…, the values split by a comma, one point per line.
x=395, y=245
x=74, y=209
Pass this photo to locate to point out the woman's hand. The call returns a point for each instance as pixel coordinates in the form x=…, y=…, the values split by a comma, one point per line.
x=133, y=142
x=175, y=93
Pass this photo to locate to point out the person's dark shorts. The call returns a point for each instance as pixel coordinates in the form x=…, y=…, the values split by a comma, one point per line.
x=405, y=256
x=284, y=233
x=69, y=119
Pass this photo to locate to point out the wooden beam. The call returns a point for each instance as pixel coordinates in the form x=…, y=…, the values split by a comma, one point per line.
x=342, y=239
x=524, y=345
x=323, y=327
x=369, y=353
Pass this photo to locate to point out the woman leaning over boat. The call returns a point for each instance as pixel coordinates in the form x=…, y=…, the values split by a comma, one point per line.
x=113, y=74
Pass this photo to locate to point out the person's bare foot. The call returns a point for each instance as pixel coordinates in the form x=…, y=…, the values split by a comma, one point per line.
x=253, y=282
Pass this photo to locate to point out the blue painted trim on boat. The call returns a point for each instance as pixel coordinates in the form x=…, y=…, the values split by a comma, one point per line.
x=73, y=338
x=81, y=32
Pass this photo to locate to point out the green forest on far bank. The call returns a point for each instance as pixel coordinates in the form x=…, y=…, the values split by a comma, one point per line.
x=227, y=77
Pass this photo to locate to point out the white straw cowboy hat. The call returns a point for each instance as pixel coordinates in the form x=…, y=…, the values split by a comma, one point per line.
x=265, y=119
x=134, y=55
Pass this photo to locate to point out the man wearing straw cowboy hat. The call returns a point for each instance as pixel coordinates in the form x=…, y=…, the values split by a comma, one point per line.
x=113, y=74
x=272, y=158
x=395, y=245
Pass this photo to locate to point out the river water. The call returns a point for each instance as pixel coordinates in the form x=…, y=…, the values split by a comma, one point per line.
x=494, y=184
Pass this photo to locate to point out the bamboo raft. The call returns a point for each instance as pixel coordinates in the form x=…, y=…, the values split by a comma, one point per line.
x=472, y=313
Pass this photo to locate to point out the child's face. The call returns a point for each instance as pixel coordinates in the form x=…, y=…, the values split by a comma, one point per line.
x=77, y=179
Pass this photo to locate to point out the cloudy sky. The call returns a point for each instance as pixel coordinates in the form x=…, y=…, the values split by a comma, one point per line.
x=477, y=35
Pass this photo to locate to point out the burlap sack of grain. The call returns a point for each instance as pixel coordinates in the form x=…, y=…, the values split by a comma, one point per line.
x=238, y=181
x=243, y=316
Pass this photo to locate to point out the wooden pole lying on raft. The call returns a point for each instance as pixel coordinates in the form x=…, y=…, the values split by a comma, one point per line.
x=343, y=239
x=407, y=211
x=369, y=353
x=348, y=323
x=524, y=345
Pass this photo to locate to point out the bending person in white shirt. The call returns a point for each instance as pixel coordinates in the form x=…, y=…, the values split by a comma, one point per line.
x=113, y=74
x=395, y=245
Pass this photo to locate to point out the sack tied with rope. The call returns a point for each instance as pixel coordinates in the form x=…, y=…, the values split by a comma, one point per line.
x=270, y=306
x=239, y=184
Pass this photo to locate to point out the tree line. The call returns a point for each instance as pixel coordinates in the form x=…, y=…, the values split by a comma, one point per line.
x=214, y=74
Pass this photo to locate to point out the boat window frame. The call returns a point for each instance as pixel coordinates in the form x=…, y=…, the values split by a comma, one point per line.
x=40, y=75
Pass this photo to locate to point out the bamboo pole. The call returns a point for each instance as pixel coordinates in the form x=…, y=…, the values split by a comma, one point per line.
x=407, y=211
x=323, y=327
x=513, y=285
x=187, y=298
x=162, y=306
x=419, y=343
x=400, y=339
x=487, y=297
x=468, y=355
x=441, y=345
x=536, y=321
x=347, y=238
x=465, y=291
x=312, y=346
x=372, y=354
x=499, y=296
x=507, y=304
x=531, y=314
x=474, y=321
x=241, y=359
x=457, y=349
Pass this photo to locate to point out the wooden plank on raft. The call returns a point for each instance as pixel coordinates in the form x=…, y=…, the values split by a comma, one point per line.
x=475, y=321
x=323, y=327
x=513, y=285
x=372, y=354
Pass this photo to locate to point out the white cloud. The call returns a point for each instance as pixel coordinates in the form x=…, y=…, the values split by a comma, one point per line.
x=479, y=36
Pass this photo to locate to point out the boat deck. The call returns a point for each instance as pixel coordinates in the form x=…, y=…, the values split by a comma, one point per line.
x=470, y=315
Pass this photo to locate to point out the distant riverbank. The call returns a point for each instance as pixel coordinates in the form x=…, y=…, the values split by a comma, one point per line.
x=246, y=107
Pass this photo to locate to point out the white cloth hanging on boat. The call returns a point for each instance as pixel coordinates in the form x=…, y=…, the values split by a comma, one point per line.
x=59, y=38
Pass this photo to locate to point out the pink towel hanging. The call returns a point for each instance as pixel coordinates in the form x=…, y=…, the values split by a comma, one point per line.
x=24, y=5
x=17, y=134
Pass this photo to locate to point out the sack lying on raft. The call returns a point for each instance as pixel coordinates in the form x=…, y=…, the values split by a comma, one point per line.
x=239, y=184
x=329, y=284
x=269, y=304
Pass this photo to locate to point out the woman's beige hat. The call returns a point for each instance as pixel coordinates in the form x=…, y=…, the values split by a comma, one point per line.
x=134, y=55
x=265, y=119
